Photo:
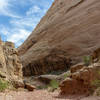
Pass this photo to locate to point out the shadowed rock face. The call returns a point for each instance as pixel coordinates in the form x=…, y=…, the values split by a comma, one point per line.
x=69, y=26
x=52, y=61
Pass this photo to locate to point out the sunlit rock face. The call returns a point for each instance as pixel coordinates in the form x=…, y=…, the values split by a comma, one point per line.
x=69, y=30
x=10, y=65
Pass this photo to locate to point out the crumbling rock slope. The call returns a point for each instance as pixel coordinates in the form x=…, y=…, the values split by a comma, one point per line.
x=69, y=30
x=81, y=81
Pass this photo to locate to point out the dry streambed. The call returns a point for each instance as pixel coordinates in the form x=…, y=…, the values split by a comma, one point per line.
x=41, y=95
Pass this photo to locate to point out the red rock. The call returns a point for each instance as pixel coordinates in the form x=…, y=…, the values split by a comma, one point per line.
x=81, y=81
x=29, y=87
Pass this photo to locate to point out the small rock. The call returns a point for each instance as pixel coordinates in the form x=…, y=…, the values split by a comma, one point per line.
x=29, y=87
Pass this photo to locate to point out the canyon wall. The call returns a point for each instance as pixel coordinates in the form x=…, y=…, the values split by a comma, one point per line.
x=10, y=65
x=69, y=30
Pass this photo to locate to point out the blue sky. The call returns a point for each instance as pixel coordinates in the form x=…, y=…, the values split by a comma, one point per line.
x=19, y=17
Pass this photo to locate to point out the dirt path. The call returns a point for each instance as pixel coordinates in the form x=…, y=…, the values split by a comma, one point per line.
x=40, y=95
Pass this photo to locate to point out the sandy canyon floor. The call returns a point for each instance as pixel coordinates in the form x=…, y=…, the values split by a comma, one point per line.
x=41, y=95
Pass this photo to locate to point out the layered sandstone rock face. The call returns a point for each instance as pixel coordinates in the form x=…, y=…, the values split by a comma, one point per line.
x=69, y=30
x=10, y=65
x=81, y=81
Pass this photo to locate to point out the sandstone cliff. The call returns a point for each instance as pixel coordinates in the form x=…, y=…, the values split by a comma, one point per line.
x=70, y=29
x=10, y=66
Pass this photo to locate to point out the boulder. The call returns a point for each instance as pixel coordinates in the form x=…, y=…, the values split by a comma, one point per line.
x=72, y=86
x=29, y=87
x=80, y=82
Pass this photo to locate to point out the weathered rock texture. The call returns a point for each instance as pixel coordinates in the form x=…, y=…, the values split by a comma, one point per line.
x=10, y=65
x=70, y=29
x=82, y=81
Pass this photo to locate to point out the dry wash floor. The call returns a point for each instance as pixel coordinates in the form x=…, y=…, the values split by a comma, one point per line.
x=40, y=95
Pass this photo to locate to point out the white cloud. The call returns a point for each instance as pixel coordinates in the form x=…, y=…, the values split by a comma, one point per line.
x=5, y=9
x=32, y=10
x=20, y=34
x=3, y=4
x=21, y=26
x=25, y=22
x=16, y=35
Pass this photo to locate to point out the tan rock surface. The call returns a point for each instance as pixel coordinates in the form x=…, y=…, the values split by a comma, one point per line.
x=10, y=65
x=71, y=27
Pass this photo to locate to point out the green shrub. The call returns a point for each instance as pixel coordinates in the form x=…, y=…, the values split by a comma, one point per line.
x=54, y=84
x=3, y=85
x=87, y=60
x=66, y=75
x=96, y=83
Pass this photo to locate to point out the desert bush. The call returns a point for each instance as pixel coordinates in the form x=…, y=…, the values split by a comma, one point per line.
x=96, y=87
x=3, y=85
x=54, y=84
x=66, y=75
x=96, y=83
x=87, y=60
